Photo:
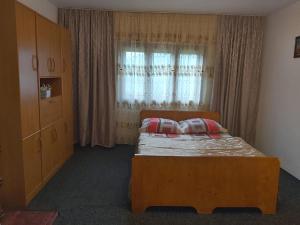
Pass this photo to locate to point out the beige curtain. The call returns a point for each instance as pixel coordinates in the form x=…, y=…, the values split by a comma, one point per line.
x=237, y=73
x=164, y=61
x=94, y=74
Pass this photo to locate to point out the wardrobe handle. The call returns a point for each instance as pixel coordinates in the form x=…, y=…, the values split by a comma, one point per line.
x=54, y=65
x=49, y=64
x=34, y=62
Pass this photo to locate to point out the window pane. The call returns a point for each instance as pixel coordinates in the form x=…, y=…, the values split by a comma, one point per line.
x=135, y=59
x=162, y=59
x=188, y=59
x=189, y=78
x=132, y=82
x=161, y=77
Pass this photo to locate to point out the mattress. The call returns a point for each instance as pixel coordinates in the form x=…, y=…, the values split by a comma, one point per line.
x=151, y=144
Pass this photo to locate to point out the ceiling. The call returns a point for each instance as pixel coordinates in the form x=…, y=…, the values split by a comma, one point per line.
x=242, y=7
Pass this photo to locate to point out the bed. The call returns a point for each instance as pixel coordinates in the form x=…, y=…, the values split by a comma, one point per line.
x=200, y=171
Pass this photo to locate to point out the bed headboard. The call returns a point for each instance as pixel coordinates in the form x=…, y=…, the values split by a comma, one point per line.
x=179, y=115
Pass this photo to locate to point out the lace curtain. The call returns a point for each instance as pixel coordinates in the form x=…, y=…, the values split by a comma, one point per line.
x=164, y=61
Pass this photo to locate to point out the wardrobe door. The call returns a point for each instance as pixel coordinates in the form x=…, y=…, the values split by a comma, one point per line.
x=56, y=50
x=52, y=147
x=32, y=159
x=60, y=153
x=67, y=75
x=69, y=140
x=49, y=145
x=1, y=175
x=43, y=27
x=48, y=47
x=26, y=39
x=67, y=91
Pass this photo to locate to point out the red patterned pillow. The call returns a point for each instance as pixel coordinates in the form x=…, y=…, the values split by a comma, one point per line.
x=193, y=126
x=200, y=126
x=160, y=125
x=213, y=127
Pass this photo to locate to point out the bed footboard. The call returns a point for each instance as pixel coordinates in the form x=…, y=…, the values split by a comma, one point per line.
x=205, y=183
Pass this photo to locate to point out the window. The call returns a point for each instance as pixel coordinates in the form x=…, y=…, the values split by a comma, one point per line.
x=160, y=76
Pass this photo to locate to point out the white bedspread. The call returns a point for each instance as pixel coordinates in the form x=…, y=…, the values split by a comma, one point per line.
x=194, y=145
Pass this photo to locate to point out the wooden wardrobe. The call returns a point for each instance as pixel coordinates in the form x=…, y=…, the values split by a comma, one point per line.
x=36, y=134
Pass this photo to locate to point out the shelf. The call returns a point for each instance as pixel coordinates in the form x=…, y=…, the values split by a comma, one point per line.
x=49, y=77
x=54, y=83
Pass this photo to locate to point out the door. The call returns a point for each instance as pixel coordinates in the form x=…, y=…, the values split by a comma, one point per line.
x=48, y=47
x=32, y=159
x=26, y=38
x=43, y=46
x=52, y=148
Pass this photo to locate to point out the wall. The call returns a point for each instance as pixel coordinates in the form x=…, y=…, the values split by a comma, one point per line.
x=43, y=7
x=278, y=125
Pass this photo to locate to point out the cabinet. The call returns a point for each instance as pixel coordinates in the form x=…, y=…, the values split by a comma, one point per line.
x=48, y=47
x=34, y=132
x=32, y=158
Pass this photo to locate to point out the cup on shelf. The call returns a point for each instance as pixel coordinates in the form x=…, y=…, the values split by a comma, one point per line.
x=45, y=91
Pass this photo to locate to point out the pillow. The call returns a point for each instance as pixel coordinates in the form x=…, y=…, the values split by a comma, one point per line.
x=160, y=125
x=193, y=126
x=214, y=127
x=200, y=126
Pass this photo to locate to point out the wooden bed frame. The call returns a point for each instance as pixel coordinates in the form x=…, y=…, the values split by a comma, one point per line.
x=204, y=183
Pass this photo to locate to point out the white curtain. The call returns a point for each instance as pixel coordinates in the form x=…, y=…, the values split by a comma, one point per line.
x=160, y=69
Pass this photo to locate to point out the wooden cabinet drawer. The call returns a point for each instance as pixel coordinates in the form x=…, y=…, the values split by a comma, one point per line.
x=50, y=110
x=32, y=158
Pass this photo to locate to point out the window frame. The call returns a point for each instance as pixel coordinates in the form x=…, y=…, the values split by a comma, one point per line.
x=151, y=49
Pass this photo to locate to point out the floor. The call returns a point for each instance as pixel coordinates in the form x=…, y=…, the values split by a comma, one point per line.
x=92, y=188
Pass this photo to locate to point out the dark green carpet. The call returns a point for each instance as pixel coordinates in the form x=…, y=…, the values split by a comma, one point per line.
x=92, y=188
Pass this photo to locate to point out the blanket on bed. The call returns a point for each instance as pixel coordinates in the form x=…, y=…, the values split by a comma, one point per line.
x=194, y=145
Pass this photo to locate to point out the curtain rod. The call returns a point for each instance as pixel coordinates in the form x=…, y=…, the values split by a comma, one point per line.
x=164, y=12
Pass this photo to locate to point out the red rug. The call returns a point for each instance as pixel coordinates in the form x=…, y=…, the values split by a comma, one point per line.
x=29, y=218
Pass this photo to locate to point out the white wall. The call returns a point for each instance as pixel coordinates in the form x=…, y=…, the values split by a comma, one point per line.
x=278, y=125
x=43, y=7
